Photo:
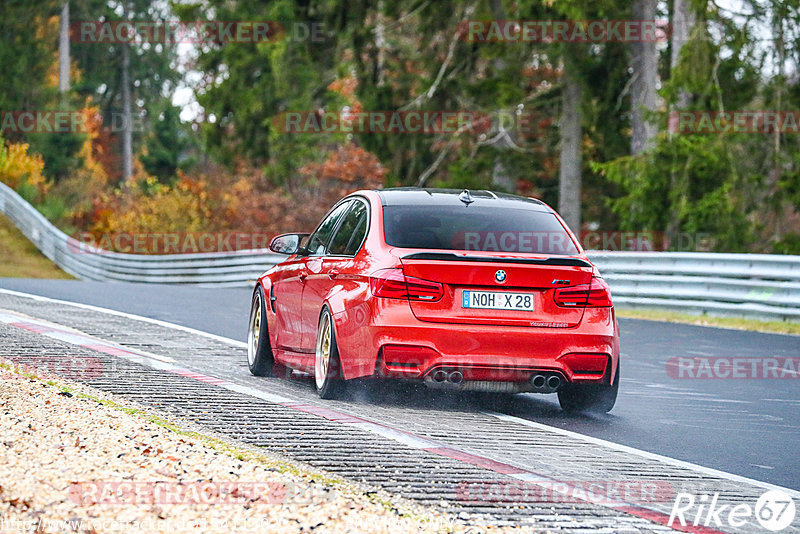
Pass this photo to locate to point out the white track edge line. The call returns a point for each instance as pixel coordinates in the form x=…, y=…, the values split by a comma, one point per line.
x=616, y=446
x=645, y=454
x=70, y=335
x=226, y=340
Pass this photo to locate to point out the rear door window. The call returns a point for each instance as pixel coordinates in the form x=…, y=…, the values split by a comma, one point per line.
x=318, y=241
x=351, y=232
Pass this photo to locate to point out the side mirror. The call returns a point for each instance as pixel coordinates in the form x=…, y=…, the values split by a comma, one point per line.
x=286, y=243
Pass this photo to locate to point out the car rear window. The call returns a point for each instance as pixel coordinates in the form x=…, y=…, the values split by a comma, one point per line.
x=477, y=228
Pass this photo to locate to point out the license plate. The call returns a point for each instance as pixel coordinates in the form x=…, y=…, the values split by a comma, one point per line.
x=494, y=300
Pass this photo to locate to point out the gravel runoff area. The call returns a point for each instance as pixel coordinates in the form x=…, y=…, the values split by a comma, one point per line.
x=76, y=459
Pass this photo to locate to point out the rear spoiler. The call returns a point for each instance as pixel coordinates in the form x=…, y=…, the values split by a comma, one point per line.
x=444, y=256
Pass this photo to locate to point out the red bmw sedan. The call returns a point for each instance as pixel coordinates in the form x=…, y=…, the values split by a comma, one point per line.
x=465, y=290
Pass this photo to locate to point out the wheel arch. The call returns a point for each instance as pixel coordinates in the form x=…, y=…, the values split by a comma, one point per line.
x=348, y=341
x=265, y=283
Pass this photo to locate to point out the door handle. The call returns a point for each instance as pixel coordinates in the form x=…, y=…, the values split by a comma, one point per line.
x=333, y=273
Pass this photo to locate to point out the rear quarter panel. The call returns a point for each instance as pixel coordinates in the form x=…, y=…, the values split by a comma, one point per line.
x=349, y=298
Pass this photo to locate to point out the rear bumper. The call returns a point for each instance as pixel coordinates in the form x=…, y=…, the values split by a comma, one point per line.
x=395, y=344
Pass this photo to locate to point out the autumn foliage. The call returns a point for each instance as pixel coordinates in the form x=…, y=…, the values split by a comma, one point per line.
x=243, y=201
x=19, y=168
x=216, y=200
x=252, y=204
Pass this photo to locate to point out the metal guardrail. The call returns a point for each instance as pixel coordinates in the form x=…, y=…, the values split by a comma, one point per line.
x=752, y=285
x=743, y=285
x=236, y=268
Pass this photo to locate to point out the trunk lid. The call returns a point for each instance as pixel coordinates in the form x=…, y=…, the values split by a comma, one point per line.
x=479, y=287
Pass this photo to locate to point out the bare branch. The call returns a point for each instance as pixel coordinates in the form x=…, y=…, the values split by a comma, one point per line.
x=427, y=95
x=435, y=165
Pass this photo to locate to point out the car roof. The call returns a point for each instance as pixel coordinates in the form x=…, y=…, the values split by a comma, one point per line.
x=415, y=196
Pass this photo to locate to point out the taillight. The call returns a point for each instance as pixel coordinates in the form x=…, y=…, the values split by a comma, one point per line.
x=419, y=289
x=393, y=284
x=594, y=295
x=389, y=283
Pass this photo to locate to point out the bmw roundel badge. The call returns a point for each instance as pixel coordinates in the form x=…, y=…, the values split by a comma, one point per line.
x=500, y=276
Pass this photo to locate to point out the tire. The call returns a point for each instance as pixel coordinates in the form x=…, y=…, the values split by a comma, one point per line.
x=592, y=398
x=327, y=367
x=260, y=359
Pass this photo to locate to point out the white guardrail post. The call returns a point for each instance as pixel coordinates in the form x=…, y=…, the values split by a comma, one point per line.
x=745, y=285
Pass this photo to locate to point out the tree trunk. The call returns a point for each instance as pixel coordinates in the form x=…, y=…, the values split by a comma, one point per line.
x=569, y=190
x=683, y=21
x=644, y=65
x=380, y=44
x=63, y=50
x=501, y=180
x=774, y=177
x=127, y=134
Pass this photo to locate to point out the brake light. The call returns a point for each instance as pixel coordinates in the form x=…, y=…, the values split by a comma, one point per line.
x=389, y=283
x=393, y=284
x=594, y=295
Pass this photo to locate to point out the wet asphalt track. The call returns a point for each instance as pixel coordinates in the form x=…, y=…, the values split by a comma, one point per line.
x=746, y=427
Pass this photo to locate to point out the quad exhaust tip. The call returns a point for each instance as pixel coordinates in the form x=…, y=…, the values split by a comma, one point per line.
x=546, y=384
x=439, y=376
x=456, y=377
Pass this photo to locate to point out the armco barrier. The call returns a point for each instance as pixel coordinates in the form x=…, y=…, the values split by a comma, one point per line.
x=745, y=285
x=237, y=268
x=753, y=285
